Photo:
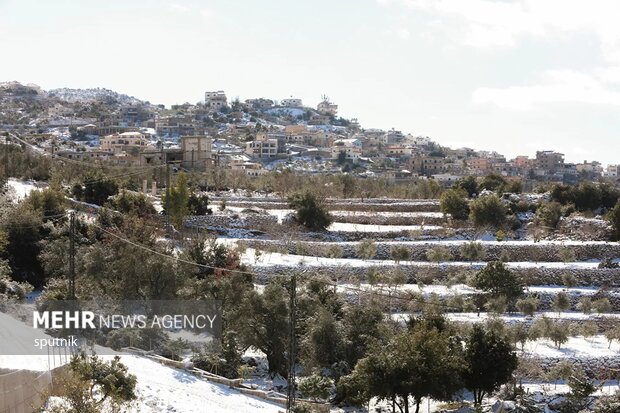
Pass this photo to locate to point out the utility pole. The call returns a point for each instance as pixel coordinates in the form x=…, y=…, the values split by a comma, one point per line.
x=168, y=198
x=290, y=400
x=6, y=156
x=72, y=255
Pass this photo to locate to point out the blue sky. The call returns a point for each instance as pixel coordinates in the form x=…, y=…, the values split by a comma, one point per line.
x=509, y=75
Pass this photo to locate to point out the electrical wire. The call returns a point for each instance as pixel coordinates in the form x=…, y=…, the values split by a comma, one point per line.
x=328, y=283
x=47, y=219
x=38, y=151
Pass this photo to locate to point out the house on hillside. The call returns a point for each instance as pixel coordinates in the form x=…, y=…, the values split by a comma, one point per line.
x=352, y=148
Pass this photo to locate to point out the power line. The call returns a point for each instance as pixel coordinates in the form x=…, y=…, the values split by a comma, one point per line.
x=38, y=151
x=325, y=282
x=48, y=219
x=123, y=175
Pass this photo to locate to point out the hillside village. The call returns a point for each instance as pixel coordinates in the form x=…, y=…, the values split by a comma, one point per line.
x=256, y=136
x=358, y=270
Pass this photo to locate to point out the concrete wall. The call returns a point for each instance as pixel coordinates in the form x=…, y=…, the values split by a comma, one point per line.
x=23, y=391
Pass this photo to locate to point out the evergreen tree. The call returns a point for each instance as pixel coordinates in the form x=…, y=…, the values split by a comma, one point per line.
x=614, y=219
x=549, y=214
x=315, y=387
x=488, y=211
x=310, y=211
x=95, y=188
x=176, y=201
x=497, y=280
x=262, y=322
x=411, y=366
x=93, y=383
x=489, y=362
x=493, y=182
x=469, y=184
x=323, y=344
x=454, y=202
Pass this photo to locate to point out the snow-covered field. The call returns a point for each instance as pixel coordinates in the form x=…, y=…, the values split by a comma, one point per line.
x=575, y=347
x=512, y=318
x=347, y=227
x=462, y=289
x=160, y=388
x=19, y=189
x=387, y=214
x=458, y=242
x=267, y=259
x=164, y=389
x=281, y=214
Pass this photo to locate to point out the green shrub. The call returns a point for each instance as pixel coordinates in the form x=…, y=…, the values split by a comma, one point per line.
x=310, y=211
x=487, y=211
x=454, y=202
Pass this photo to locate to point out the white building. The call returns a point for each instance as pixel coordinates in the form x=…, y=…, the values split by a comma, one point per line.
x=446, y=179
x=262, y=147
x=124, y=142
x=593, y=167
x=326, y=107
x=611, y=171
x=352, y=148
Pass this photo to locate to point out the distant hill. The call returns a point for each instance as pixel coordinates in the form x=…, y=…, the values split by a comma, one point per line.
x=92, y=95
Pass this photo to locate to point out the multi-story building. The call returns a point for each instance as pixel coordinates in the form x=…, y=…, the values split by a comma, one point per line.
x=427, y=165
x=352, y=148
x=129, y=142
x=399, y=150
x=216, y=100
x=505, y=168
x=611, y=171
x=86, y=156
x=326, y=107
x=479, y=166
x=374, y=135
x=523, y=162
x=592, y=169
x=196, y=152
x=549, y=160
x=167, y=125
x=394, y=137
x=262, y=147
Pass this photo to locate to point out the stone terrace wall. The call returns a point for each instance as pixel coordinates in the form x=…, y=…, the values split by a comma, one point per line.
x=432, y=273
x=598, y=367
x=402, y=206
x=249, y=221
x=375, y=219
x=516, y=252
